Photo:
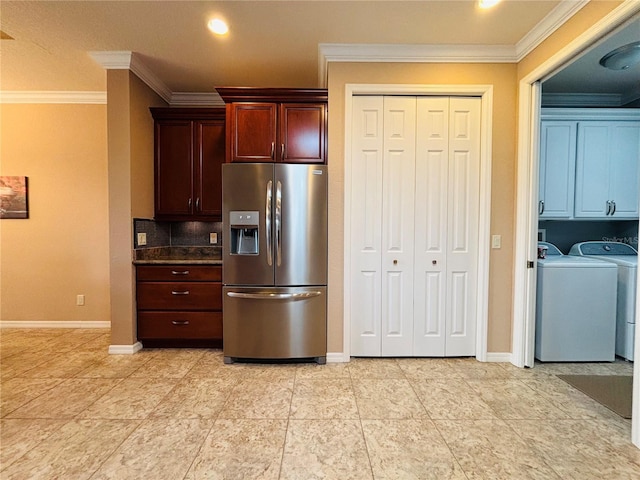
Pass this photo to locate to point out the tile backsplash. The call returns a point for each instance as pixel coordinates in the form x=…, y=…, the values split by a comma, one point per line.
x=176, y=234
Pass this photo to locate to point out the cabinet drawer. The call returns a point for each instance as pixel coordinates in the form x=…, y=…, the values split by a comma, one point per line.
x=179, y=296
x=179, y=325
x=179, y=273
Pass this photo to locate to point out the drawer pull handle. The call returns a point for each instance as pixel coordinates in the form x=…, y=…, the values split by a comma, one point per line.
x=180, y=322
x=186, y=292
x=176, y=272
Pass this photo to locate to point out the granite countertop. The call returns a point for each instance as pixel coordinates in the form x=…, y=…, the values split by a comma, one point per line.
x=178, y=255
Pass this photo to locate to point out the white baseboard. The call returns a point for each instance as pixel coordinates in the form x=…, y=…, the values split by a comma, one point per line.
x=53, y=324
x=337, y=357
x=125, y=349
x=502, y=357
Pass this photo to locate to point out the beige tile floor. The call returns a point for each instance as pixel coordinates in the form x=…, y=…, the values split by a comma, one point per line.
x=69, y=410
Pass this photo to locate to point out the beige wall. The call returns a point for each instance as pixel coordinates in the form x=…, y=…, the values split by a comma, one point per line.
x=130, y=127
x=503, y=79
x=62, y=249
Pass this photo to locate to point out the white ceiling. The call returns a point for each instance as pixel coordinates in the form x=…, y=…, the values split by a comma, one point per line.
x=586, y=75
x=271, y=43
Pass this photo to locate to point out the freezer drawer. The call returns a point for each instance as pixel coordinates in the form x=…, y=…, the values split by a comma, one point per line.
x=275, y=323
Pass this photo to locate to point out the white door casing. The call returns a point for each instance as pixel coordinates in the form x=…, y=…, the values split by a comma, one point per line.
x=485, y=93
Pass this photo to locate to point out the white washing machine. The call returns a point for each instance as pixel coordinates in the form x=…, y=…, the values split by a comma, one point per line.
x=575, y=308
x=626, y=258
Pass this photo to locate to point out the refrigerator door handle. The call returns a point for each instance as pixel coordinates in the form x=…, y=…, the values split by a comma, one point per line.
x=274, y=296
x=278, y=223
x=267, y=222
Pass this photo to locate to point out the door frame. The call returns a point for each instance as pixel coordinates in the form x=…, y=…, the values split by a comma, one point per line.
x=485, y=93
x=529, y=94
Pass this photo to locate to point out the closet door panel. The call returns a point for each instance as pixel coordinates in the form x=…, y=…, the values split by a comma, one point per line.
x=431, y=225
x=366, y=227
x=397, y=225
x=463, y=227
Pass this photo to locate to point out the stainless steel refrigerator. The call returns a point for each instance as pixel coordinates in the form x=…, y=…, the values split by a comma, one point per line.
x=274, y=261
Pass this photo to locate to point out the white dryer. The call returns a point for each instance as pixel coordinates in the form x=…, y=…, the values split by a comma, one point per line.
x=626, y=259
x=575, y=308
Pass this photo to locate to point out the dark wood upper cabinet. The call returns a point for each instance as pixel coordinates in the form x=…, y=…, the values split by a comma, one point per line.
x=189, y=152
x=276, y=125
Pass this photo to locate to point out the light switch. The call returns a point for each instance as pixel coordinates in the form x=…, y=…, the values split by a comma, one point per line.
x=496, y=241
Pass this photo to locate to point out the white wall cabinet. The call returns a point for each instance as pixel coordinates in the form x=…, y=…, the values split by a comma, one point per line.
x=414, y=234
x=607, y=170
x=589, y=164
x=557, y=169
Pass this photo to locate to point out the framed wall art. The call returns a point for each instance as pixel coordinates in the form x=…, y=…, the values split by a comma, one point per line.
x=14, y=200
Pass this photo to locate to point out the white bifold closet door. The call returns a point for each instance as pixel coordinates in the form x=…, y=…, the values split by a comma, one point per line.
x=415, y=191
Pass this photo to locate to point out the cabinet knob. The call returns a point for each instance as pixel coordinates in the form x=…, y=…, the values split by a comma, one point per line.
x=395, y=262
x=434, y=262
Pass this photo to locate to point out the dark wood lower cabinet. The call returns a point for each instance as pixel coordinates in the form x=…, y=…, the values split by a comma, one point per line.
x=179, y=305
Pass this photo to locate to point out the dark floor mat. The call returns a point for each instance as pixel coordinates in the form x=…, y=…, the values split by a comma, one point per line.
x=612, y=391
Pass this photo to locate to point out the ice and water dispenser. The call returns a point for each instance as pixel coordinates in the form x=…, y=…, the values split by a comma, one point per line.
x=244, y=232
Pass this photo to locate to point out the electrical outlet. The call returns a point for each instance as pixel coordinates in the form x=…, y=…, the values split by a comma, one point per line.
x=142, y=239
x=213, y=237
x=80, y=300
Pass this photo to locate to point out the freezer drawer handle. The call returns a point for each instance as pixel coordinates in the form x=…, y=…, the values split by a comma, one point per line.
x=180, y=322
x=185, y=292
x=275, y=296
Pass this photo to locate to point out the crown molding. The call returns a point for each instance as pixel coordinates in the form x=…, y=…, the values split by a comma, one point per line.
x=126, y=60
x=582, y=100
x=92, y=98
x=187, y=99
x=630, y=96
x=328, y=52
x=549, y=24
x=372, y=53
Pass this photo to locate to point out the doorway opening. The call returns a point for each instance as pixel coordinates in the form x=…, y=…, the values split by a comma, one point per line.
x=525, y=278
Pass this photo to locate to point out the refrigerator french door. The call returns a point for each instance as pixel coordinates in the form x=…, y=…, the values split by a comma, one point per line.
x=274, y=261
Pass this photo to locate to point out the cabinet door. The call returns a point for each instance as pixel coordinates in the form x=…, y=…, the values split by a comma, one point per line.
x=210, y=154
x=624, y=157
x=252, y=136
x=174, y=169
x=592, y=170
x=302, y=133
x=557, y=168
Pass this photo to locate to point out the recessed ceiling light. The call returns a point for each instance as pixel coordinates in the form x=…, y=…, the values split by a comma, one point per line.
x=218, y=26
x=487, y=3
x=622, y=57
